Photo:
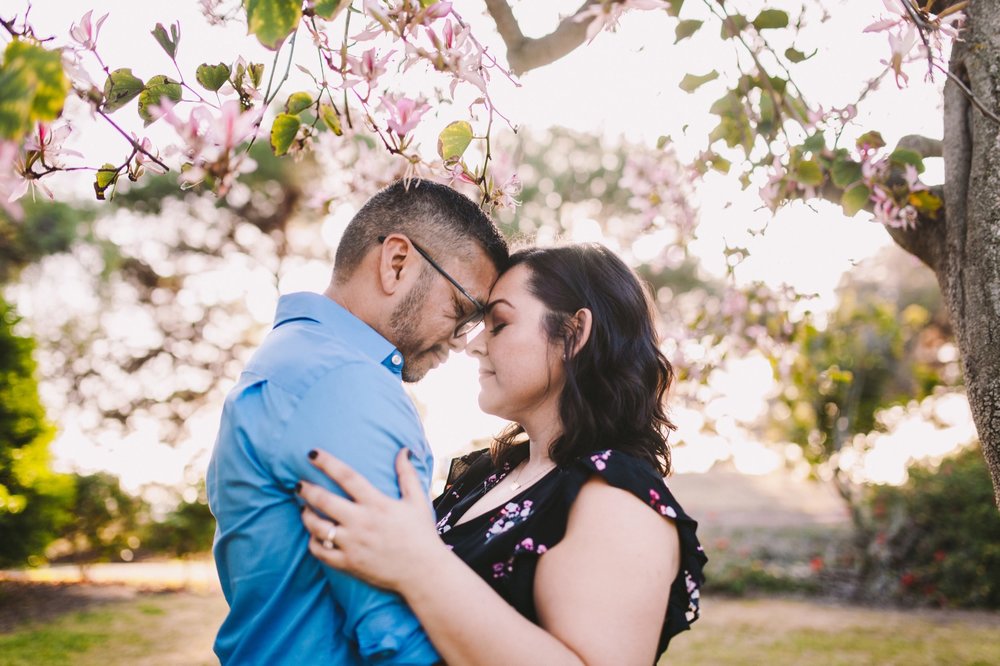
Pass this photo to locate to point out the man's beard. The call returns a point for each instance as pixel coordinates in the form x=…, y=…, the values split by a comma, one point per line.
x=404, y=323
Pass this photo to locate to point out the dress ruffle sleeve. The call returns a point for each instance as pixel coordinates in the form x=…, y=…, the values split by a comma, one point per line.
x=638, y=477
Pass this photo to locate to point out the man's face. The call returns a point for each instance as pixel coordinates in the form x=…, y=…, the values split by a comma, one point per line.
x=423, y=324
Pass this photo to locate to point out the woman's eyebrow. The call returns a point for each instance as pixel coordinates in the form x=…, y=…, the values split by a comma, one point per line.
x=489, y=306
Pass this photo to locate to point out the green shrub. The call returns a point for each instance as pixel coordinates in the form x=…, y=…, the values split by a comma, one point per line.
x=937, y=537
x=34, y=500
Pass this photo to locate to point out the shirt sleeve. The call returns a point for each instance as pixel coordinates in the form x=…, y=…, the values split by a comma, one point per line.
x=360, y=414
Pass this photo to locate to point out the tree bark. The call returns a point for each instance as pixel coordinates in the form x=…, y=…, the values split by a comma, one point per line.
x=968, y=269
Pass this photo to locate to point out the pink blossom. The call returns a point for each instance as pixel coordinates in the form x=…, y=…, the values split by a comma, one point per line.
x=437, y=10
x=901, y=44
x=86, y=33
x=12, y=184
x=233, y=126
x=369, y=67
x=47, y=142
x=143, y=159
x=404, y=113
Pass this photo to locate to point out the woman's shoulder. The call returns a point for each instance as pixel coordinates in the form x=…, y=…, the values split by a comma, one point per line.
x=642, y=479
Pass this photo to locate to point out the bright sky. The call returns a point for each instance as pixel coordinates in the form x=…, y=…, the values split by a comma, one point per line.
x=622, y=85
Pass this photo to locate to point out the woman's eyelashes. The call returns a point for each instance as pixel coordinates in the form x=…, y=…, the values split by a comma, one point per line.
x=497, y=328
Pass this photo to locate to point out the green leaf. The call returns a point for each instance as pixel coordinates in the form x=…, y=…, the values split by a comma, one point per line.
x=15, y=102
x=256, y=72
x=855, y=199
x=33, y=87
x=926, y=203
x=298, y=102
x=454, y=139
x=733, y=25
x=120, y=88
x=768, y=115
x=212, y=77
x=770, y=19
x=662, y=141
x=283, y=132
x=729, y=104
x=152, y=95
x=272, y=20
x=169, y=43
x=845, y=172
x=686, y=28
x=328, y=9
x=331, y=119
x=691, y=82
x=720, y=164
x=794, y=55
x=902, y=156
x=814, y=143
x=107, y=176
x=809, y=172
x=675, y=7
x=871, y=139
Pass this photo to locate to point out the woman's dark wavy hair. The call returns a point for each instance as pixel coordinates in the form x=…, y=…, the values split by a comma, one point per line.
x=616, y=383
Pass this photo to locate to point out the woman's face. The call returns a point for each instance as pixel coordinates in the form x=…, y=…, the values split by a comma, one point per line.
x=520, y=370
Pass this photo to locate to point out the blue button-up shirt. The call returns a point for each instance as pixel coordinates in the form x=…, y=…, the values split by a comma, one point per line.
x=321, y=379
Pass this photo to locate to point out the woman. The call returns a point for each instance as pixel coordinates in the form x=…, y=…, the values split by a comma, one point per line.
x=563, y=535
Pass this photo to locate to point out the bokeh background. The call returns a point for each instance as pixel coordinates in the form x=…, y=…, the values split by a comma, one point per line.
x=824, y=440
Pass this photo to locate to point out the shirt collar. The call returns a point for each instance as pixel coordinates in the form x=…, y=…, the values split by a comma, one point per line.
x=330, y=314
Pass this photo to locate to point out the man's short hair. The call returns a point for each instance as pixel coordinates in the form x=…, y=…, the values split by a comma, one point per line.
x=431, y=214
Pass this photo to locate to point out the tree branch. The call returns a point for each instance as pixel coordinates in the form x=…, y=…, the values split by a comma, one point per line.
x=926, y=146
x=526, y=53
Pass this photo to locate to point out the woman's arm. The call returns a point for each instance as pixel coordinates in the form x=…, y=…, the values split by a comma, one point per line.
x=601, y=592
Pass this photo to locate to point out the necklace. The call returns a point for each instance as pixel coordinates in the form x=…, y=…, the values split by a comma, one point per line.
x=516, y=483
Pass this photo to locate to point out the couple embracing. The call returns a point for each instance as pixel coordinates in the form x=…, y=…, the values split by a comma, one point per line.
x=560, y=544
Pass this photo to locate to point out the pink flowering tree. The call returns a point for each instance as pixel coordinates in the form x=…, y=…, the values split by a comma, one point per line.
x=769, y=134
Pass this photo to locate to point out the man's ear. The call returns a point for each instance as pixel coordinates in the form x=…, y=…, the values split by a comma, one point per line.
x=397, y=263
x=580, y=324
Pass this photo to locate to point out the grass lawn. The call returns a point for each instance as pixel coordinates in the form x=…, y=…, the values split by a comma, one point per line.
x=178, y=628
x=163, y=629
x=780, y=632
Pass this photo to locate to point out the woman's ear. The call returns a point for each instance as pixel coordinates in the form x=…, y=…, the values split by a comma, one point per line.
x=396, y=263
x=579, y=325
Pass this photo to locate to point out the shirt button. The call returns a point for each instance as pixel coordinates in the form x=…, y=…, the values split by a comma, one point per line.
x=397, y=359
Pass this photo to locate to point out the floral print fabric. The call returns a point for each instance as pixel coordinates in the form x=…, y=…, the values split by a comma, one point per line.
x=503, y=545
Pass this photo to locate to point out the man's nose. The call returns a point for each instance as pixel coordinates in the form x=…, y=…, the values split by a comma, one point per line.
x=476, y=346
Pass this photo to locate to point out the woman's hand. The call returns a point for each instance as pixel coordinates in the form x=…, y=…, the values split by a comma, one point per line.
x=378, y=539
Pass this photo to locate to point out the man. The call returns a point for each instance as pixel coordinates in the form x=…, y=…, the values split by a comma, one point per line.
x=412, y=273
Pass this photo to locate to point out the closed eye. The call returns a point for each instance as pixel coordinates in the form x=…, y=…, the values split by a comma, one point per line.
x=496, y=329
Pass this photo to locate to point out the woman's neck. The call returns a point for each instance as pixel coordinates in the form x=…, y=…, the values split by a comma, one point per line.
x=542, y=427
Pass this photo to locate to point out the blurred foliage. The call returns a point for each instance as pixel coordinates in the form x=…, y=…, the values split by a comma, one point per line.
x=188, y=529
x=936, y=538
x=106, y=521
x=34, y=501
x=46, y=228
x=879, y=348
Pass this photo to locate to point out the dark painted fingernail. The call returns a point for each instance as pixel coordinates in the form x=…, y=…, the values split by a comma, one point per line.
x=409, y=454
x=313, y=454
x=298, y=487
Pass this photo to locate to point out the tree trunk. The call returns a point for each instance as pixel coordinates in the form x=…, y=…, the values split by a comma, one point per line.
x=969, y=266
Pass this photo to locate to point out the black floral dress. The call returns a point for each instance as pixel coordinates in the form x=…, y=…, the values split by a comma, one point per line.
x=503, y=545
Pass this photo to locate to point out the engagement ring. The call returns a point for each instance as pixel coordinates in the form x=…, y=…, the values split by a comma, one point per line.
x=328, y=541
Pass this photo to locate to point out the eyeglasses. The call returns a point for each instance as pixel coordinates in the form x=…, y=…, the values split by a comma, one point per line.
x=466, y=324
